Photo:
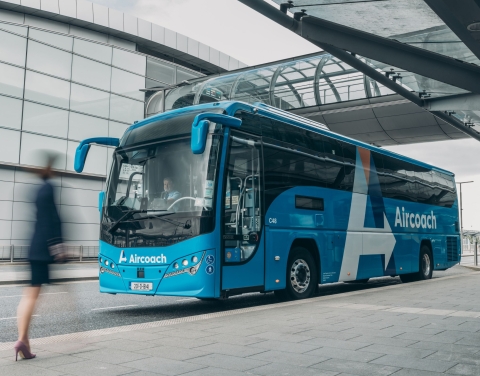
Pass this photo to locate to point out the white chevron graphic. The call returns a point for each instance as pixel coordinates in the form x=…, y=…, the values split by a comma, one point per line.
x=361, y=240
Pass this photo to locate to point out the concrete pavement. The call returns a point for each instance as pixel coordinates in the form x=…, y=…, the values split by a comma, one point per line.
x=423, y=329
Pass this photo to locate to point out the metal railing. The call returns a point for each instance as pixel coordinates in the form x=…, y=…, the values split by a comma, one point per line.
x=19, y=253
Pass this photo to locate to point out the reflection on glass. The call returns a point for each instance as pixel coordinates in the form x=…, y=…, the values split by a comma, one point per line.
x=184, y=75
x=130, y=61
x=49, y=60
x=91, y=73
x=124, y=109
x=93, y=50
x=128, y=84
x=12, y=48
x=160, y=71
x=57, y=40
x=89, y=101
x=45, y=119
x=48, y=90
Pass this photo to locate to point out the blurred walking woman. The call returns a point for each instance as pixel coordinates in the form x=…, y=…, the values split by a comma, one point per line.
x=46, y=246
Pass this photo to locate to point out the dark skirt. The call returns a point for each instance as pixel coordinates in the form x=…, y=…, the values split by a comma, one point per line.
x=40, y=273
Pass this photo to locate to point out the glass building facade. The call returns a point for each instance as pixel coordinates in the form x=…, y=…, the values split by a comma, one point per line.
x=55, y=90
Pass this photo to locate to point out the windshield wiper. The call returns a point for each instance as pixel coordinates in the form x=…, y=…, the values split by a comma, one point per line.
x=127, y=215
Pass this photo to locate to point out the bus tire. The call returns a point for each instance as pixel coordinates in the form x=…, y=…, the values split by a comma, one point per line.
x=301, y=276
x=425, y=267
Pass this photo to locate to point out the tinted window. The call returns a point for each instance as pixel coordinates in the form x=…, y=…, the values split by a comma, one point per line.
x=309, y=203
x=334, y=173
x=397, y=180
x=349, y=161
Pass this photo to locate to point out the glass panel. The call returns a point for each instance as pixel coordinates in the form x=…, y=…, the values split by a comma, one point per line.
x=12, y=48
x=254, y=86
x=91, y=73
x=45, y=119
x=243, y=206
x=166, y=185
x=126, y=110
x=183, y=75
x=11, y=112
x=48, y=90
x=33, y=144
x=160, y=71
x=10, y=149
x=128, y=84
x=89, y=101
x=132, y=62
x=181, y=97
x=93, y=50
x=49, y=60
x=11, y=80
x=57, y=40
x=83, y=126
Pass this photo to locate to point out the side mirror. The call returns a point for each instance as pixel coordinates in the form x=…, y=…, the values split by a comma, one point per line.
x=101, y=197
x=84, y=147
x=200, y=128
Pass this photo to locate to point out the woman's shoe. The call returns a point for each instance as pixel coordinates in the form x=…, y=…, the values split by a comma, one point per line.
x=22, y=349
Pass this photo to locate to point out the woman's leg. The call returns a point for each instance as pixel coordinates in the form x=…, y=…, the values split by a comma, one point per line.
x=25, y=311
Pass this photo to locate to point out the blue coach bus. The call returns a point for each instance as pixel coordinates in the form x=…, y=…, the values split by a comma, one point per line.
x=225, y=198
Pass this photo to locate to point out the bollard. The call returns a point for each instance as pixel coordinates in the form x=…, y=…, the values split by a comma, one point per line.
x=475, y=256
x=81, y=253
x=11, y=253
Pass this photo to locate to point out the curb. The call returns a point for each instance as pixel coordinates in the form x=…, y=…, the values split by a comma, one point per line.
x=52, y=280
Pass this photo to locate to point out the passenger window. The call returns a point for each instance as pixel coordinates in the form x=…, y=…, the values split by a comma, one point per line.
x=334, y=172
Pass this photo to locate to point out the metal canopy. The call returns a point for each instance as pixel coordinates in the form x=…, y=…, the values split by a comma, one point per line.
x=450, y=66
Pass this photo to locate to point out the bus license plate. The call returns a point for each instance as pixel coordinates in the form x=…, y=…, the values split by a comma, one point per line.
x=141, y=286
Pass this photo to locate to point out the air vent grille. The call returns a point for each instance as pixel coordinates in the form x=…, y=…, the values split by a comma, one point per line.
x=452, y=249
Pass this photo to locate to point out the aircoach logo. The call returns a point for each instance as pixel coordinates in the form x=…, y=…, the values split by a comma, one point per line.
x=412, y=220
x=135, y=259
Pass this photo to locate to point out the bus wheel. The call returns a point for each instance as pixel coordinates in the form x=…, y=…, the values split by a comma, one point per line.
x=425, y=267
x=302, y=275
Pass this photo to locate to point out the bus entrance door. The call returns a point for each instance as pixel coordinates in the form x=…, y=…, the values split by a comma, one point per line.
x=243, y=254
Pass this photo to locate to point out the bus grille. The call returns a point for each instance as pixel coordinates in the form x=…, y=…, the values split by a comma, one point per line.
x=452, y=250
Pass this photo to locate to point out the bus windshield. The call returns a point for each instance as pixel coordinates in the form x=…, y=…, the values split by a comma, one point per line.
x=160, y=194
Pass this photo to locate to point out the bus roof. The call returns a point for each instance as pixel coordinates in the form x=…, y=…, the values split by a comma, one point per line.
x=231, y=107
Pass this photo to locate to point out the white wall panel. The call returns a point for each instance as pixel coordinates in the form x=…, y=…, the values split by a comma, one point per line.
x=116, y=129
x=46, y=89
x=128, y=84
x=83, y=126
x=144, y=29
x=26, y=177
x=13, y=48
x=85, y=10
x=232, y=64
x=22, y=232
x=34, y=145
x=7, y=173
x=129, y=61
x=204, y=52
x=11, y=112
x=6, y=210
x=158, y=34
x=10, y=149
x=5, y=230
x=81, y=232
x=31, y=3
x=68, y=8
x=80, y=197
x=170, y=38
x=124, y=109
x=57, y=40
x=26, y=192
x=122, y=43
x=214, y=56
x=92, y=73
x=130, y=24
x=79, y=214
x=93, y=50
x=90, y=101
x=11, y=80
x=224, y=60
x=182, y=42
x=193, y=47
x=22, y=30
x=49, y=60
x=6, y=190
x=100, y=15
x=24, y=211
x=46, y=24
x=45, y=119
x=115, y=19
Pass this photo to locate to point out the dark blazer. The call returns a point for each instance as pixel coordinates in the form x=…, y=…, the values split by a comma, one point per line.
x=48, y=227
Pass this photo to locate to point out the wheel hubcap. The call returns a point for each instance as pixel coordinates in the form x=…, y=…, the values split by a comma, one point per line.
x=426, y=265
x=300, y=276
